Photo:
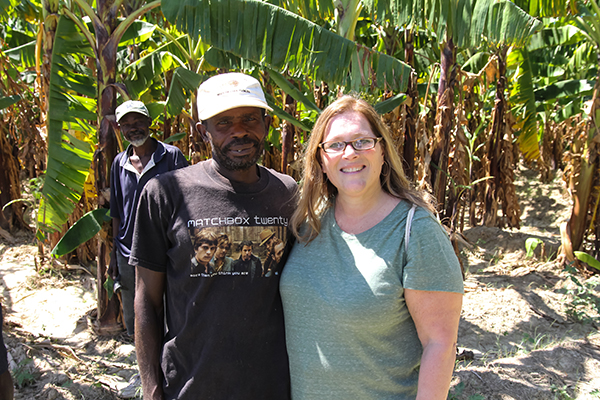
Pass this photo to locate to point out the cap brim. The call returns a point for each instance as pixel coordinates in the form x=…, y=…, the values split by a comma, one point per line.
x=120, y=117
x=226, y=105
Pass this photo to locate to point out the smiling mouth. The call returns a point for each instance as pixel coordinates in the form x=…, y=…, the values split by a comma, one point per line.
x=242, y=150
x=241, y=147
x=353, y=169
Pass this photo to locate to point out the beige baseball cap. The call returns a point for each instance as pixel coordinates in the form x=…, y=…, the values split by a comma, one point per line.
x=131, y=106
x=227, y=91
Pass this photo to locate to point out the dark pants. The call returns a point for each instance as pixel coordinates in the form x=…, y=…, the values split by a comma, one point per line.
x=127, y=278
x=3, y=358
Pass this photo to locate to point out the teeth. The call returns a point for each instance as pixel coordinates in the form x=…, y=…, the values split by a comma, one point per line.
x=351, y=169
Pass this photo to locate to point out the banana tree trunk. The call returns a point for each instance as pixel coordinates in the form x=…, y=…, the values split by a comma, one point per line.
x=9, y=185
x=107, y=322
x=50, y=12
x=288, y=132
x=500, y=189
x=494, y=149
x=412, y=110
x=443, y=124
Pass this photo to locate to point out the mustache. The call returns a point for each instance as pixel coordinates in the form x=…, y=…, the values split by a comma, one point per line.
x=240, y=141
x=136, y=132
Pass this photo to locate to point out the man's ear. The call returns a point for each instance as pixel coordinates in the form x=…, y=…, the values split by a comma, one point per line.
x=204, y=134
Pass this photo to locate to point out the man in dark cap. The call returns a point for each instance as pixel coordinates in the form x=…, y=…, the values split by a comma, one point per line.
x=143, y=159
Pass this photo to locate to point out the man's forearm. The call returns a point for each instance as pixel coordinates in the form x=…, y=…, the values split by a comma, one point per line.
x=149, y=331
x=148, y=341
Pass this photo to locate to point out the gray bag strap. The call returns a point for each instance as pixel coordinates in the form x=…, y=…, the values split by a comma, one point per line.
x=409, y=218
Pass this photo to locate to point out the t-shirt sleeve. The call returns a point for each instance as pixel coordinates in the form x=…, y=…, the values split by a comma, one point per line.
x=150, y=240
x=431, y=263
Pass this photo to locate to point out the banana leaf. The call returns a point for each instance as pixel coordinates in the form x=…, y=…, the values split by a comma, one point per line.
x=522, y=95
x=293, y=91
x=390, y=104
x=6, y=7
x=555, y=36
x=83, y=230
x=8, y=101
x=508, y=25
x=588, y=259
x=183, y=86
x=397, y=12
x=24, y=54
x=71, y=115
x=568, y=88
x=278, y=39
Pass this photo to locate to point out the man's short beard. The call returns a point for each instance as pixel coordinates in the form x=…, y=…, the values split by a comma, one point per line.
x=139, y=142
x=219, y=154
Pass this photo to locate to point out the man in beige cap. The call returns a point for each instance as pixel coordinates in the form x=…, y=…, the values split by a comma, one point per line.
x=143, y=159
x=217, y=335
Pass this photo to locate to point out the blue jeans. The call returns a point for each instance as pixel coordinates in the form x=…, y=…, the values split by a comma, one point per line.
x=127, y=278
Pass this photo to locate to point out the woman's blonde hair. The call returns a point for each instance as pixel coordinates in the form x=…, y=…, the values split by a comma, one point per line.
x=317, y=193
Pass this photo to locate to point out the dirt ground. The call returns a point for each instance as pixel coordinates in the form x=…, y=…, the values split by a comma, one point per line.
x=516, y=338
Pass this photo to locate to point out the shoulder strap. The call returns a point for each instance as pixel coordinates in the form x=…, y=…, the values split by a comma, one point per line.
x=409, y=218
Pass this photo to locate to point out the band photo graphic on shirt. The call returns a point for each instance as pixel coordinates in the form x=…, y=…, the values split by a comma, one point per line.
x=253, y=251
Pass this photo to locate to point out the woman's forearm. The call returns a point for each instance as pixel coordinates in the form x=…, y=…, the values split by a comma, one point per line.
x=437, y=365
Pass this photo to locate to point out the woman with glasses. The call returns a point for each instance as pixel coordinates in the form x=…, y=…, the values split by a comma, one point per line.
x=368, y=314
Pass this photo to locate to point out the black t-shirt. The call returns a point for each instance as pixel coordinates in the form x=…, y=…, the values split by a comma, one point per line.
x=225, y=334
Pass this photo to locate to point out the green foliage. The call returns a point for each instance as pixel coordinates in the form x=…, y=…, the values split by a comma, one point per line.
x=293, y=91
x=273, y=37
x=561, y=393
x=35, y=186
x=508, y=25
x=530, y=245
x=81, y=231
x=8, y=101
x=21, y=374
x=584, y=299
x=175, y=137
x=390, y=104
x=109, y=286
x=71, y=114
x=457, y=391
x=398, y=12
x=183, y=86
x=588, y=259
x=522, y=95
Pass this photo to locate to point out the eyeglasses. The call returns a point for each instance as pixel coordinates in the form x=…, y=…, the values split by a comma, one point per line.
x=358, y=145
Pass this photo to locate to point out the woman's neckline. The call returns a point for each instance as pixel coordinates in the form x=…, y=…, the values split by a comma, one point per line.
x=355, y=225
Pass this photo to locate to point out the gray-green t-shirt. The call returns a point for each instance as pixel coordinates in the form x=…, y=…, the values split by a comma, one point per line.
x=348, y=331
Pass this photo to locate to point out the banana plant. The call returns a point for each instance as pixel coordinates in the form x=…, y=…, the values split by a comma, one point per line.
x=18, y=36
x=583, y=182
x=79, y=118
x=506, y=27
